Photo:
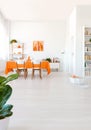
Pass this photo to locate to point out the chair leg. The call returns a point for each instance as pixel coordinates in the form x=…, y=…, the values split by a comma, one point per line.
x=18, y=71
x=32, y=73
x=40, y=73
x=37, y=70
x=25, y=73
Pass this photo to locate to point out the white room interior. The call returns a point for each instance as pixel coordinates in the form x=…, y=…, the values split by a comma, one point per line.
x=59, y=33
x=60, y=24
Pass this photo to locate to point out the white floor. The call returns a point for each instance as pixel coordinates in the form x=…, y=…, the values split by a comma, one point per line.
x=52, y=103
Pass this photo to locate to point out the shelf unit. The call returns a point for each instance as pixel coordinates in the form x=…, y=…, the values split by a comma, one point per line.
x=17, y=51
x=87, y=51
x=55, y=66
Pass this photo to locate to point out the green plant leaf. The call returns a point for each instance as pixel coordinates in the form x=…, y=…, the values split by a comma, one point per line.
x=13, y=41
x=2, y=79
x=5, y=93
x=5, y=108
x=6, y=114
x=10, y=78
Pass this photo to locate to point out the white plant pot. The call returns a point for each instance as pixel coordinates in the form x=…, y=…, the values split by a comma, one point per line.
x=4, y=124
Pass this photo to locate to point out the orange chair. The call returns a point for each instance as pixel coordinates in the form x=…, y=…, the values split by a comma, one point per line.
x=37, y=67
x=21, y=67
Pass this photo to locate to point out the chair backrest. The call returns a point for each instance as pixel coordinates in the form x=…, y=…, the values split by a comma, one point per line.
x=37, y=65
x=20, y=64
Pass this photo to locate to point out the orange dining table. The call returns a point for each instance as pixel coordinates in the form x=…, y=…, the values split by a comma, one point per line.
x=10, y=65
x=46, y=65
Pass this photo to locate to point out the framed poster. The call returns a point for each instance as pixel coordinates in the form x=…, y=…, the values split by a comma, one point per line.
x=38, y=45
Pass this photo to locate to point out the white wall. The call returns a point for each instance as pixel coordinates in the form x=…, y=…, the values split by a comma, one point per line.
x=52, y=33
x=4, y=38
x=83, y=20
x=74, y=57
x=70, y=43
x=4, y=41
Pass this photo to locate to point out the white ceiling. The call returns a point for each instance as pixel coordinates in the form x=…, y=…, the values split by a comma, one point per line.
x=37, y=10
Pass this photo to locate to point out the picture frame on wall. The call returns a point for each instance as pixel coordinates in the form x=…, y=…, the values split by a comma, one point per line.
x=38, y=45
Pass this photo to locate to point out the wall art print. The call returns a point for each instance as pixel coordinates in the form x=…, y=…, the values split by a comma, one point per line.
x=38, y=45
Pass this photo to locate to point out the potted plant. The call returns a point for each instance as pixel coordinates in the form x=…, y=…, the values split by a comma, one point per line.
x=5, y=93
x=48, y=59
x=13, y=41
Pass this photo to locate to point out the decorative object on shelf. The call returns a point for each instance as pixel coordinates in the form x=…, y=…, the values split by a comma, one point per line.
x=19, y=46
x=87, y=48
x=85, y=64
x=5, y=93
x=86, y=32
x=13, y=41
x=56, y=59
x=90, y=40
x=38, y=45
